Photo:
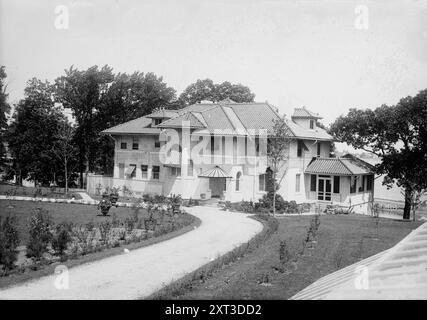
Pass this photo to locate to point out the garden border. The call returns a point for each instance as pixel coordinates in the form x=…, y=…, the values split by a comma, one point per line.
x=19, y=278
x=185, y=284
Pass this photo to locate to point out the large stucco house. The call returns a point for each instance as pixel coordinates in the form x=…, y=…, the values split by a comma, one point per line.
x=218, y=152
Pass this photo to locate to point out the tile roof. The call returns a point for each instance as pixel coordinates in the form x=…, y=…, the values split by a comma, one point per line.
x=138, y=126
x=304, y=113
x=316, y=134
x=234, y=118
x=337, y=166
x=177, y=122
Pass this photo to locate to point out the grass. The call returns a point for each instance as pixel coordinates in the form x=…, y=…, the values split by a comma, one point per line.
x=185, y=284
x=78, y=214
x=339, y=241
x=58, y=193
x=60, y=212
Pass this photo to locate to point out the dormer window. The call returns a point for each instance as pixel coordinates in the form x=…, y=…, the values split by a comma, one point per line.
x=311, y=124
x=157, y=121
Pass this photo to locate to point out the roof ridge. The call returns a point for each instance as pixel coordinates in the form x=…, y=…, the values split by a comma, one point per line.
x=351, y=172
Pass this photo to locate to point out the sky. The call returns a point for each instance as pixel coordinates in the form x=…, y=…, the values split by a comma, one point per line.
x=326, y=55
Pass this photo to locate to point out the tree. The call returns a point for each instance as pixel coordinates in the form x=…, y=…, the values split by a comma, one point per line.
x=207, y=90
x=4, y=110
x=278, y=153
x=100, y=100
x=397, y=134
x=65, y=150
x=31, y=133
x=82, y=92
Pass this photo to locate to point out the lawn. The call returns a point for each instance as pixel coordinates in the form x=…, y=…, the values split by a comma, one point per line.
x=340, y=241
x=58, y=193
x=75, y=213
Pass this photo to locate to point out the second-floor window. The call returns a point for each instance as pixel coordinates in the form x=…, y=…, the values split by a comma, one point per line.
x=123, y=145
x=318, y=149
x=299, y=149
x=157, y=121
x=311, y=124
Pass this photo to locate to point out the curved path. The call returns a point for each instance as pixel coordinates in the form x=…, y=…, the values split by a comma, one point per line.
x=143, y=271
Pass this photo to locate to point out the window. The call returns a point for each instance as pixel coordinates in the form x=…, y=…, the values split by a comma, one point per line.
x=175, y=172
x=238, y=175
x=123, y=145
x=144, y=171
x=362, y=187
x=299, y=149
x=336, y=184
x=135, y=143
x=297, y=182
x=156, y=172
x=313, y=182
x=369, y=182
x=157, y=121
x=257, y=146
x=156, y=142
x=262, y=182
x=311, y=124
x=353, y=184
x=318, y=149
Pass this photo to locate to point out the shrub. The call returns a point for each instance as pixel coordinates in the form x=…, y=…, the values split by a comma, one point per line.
x=9, y=240
x=40, y=227
x=104, y=229
x=61, y=238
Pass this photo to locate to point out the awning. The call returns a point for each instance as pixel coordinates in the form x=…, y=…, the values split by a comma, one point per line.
x=129, y=170
x=216, y=172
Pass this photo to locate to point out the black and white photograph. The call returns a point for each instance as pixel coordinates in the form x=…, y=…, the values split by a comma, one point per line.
x=213, y=155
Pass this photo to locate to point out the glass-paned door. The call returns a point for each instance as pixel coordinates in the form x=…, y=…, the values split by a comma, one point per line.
x=324, y=189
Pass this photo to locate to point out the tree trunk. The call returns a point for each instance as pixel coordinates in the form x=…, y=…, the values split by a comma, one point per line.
x=407, y=208
x=66, y=177
x=274, y=194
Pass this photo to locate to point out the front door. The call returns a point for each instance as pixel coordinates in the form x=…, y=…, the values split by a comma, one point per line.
x=324, y=189
x=217, y=186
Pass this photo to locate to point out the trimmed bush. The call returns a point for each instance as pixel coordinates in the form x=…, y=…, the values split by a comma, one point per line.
x=9, y=240
x=40, y=227
x=62, y=238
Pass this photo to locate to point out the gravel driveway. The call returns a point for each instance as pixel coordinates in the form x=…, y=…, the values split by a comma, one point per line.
x=143, y=271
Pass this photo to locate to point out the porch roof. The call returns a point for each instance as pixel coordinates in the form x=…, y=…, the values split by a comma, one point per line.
x=345, y=166
x=215, y=172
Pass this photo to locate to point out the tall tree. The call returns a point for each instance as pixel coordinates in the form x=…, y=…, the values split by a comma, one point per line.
x=207, y=90
x=31, y=133
x=82, y=92
x=65, y=150
x=4, y=110
x=129, y=97
x=278, y=154
x=397, y=134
